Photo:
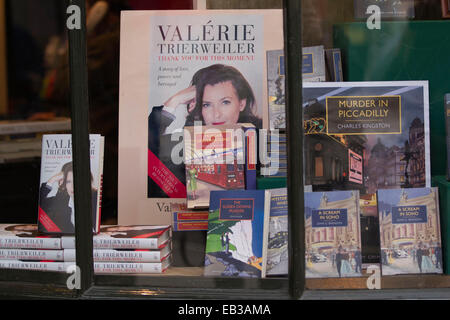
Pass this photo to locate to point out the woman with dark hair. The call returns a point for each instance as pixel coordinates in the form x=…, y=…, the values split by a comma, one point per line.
x=57, y=213
x=219, y=94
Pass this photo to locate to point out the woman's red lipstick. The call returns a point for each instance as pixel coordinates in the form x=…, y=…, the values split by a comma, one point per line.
x=218, y=123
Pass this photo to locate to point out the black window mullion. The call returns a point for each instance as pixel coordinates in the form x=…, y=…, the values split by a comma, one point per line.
x=79, y=101
x=294, y=128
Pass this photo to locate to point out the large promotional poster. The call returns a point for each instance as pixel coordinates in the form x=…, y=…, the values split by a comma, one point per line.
x=366, y=135
x=182, y=68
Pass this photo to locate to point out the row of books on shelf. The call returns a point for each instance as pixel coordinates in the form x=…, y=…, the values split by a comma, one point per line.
x=117, y=249
x=247, y=236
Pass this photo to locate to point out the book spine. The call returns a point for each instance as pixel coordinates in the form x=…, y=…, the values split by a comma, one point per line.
x=20, y=254
x=190, y=225
x=110, y=255
x=29, y=243
x=115, y=243
x=33, y=265
x=250, y=158
x=122, y=267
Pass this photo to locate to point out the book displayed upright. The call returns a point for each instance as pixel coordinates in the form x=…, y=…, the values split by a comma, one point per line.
x=313, y=64
x=221, y=157
x=236, y=244
x=410, y=232
x=366, y=135
x=56, y=193
x=276, y=89
x=179, y=67
x=332, y=234
x=277, y=247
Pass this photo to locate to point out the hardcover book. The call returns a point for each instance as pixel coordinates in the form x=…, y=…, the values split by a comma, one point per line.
x=125, y=237
x=236, y=243
x=55, y=266
x=188, y=56
x=123, y=255
x=333, y=236
x=277, y=249
x=37, y=255
x=56, y=193
x=26, y=236
x=218, y=158
x=410, y=234
x=366, y=135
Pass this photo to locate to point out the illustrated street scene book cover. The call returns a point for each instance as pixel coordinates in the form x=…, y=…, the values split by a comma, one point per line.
x=218, y=158
x=332, y=232
x=56, y=192
x=410, y=234
x=126, y=237
x=273, y=154
x=277, y=249
x=313, y=64
x=26, y=236
x=447, y=129
x=366, y=135
x=276, y=89
x=175, y=68
x=236, y=244
x=314, y=68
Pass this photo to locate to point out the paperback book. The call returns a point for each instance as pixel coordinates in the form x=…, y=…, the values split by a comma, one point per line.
x=333, y=236
x=277, y=249
x=410, y=234
x=218, y=158
x=366, y=135
x=313, y=64
x=237, y=238
x=193, y=59
x=126, y=237
x=56, y=193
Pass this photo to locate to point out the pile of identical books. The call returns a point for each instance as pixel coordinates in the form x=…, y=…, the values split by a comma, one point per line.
x=117, y=249
x=275, y=164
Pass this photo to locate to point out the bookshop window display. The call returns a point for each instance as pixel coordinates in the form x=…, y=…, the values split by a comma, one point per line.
x=189, y=137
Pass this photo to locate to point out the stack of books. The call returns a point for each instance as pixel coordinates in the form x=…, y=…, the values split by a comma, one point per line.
x=275, y=164
x=117, y=249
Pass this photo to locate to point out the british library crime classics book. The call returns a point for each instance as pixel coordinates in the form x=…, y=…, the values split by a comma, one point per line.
x=236, y=244
x=366, y=135
x=333, y=236
x=219, y=157
x=176, y=67
x=410, y=234
x=277, y=247
x=56, y=192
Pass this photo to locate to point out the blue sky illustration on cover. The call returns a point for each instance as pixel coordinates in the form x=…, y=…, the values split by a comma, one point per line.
x=312, y=199
x=235, y=236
